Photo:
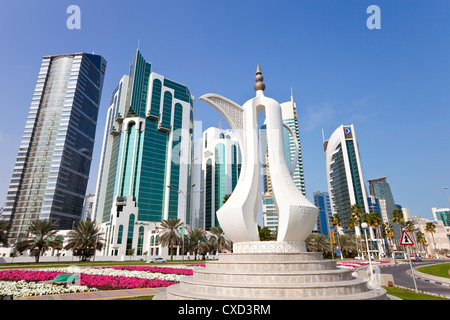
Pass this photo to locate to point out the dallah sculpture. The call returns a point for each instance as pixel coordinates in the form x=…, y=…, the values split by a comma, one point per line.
x=237, y=217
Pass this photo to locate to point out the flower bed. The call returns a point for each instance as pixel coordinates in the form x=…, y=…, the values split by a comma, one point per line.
x=24, y=288
x=105, y=278
x=355, y=264
x=180, y=270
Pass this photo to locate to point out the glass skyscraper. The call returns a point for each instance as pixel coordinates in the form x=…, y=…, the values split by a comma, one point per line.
x=145, y=166
x=344, y=174
x=289, y=116
x=52, y=168
x=216, y=174
x=322, y=201
x=380, y=189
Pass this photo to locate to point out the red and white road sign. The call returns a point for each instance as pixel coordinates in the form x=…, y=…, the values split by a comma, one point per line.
x=405, y=240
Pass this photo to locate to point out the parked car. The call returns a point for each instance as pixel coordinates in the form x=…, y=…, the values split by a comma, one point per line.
x=157, y=260
x=416, y=258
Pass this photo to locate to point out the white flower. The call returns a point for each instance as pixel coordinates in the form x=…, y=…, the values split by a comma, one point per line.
x=25, y=289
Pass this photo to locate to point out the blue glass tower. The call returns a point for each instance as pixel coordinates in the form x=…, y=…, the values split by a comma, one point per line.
x=322, y=201
x=52, y=168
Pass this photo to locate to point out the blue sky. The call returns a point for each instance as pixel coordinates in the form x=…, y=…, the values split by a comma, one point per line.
x=391, y=83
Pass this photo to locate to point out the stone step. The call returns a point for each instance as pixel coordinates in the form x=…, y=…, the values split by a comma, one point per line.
x=271, y=291
x=272, y=277
x=178, y=292
x=267, y=266
x=272, y=258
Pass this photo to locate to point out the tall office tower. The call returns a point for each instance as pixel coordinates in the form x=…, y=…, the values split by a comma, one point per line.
x=52, y=167
x=322, y=201
x=88, y=208
x=379, y=206
x=220, y=167
x=344, y=174
x=197, y=193
x=407, y=214
x=269, y=208
x=145, y=171
x=380, y=188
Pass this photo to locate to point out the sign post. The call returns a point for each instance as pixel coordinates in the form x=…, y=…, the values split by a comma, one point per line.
x=405, y=240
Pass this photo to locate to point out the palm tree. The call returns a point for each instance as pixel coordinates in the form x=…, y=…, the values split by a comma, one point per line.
x=409, y=227
x=357, y=212
x=335, y=221
x=397, y=217
x=372, y=219
x=388, y=233
x=226, y=197
x=348, y=244
x=219, y=240
x=85, y=239
x=353, y=224
x=376, y=220
x=197, y=240
x=421, y=239
x=170, y=235
x=317, y=242
x=4, y=228
x=265, y=234
x=41, y=235
x=430, y=227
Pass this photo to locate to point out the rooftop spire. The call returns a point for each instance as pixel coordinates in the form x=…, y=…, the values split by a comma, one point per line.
x=259, y=84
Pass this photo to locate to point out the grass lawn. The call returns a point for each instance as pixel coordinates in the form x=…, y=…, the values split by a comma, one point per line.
x=439, y=270
x=410, y=295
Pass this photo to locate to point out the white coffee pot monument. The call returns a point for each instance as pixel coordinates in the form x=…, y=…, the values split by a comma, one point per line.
x=237, y=217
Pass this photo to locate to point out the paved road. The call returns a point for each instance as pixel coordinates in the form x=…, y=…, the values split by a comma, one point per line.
x=403, y=278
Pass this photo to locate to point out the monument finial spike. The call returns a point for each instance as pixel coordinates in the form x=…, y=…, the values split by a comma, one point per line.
x=259, y=84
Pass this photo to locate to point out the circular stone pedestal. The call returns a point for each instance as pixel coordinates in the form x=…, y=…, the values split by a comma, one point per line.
x=269, y=247
x=271, y=270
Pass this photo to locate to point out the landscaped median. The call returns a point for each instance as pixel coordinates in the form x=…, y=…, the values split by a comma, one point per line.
x=21, y=283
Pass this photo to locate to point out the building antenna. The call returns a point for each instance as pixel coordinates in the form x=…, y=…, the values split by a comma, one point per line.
x=323, y=137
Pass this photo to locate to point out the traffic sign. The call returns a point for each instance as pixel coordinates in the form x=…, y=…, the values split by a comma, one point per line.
x=405, y=240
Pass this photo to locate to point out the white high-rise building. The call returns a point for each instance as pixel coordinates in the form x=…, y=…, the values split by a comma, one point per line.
x=344, y=174
x=215, y=174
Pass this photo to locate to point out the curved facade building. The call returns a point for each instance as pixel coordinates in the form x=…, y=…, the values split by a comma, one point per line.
x=344, y=174
x=145, y=169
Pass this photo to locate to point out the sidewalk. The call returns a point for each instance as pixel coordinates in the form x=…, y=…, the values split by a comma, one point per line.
x=98, y=295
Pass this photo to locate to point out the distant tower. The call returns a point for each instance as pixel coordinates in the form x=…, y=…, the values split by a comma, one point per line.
x=322, y=201
x=52, y=169
x=220, y=156
x=344, y=173
x=380, y=188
